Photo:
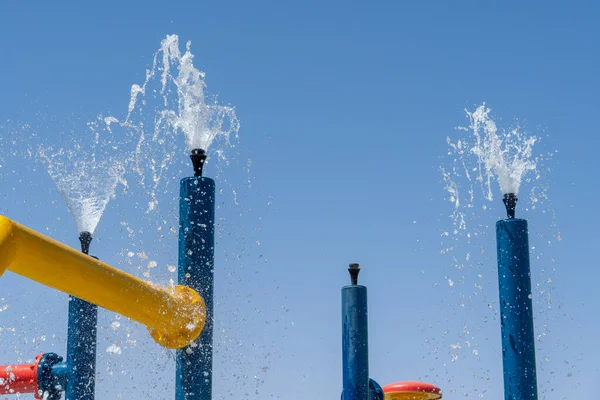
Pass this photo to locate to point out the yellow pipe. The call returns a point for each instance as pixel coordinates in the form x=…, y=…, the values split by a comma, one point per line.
x=174, y=316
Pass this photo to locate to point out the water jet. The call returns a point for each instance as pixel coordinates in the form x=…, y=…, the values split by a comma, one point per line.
x=502, y=157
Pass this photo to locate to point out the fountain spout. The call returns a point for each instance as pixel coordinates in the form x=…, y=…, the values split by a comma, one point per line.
x=354, y=270
x=510, y=202
x=85, y=238
x=198, y=157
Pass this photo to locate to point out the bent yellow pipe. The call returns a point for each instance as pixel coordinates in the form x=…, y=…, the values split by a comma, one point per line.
x=174, y=316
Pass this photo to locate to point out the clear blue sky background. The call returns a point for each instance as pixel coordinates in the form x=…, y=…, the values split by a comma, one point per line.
x=345, y=109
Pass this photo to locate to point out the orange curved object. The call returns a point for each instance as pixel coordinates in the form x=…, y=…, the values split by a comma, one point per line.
x=20, y=378
x=411, y=391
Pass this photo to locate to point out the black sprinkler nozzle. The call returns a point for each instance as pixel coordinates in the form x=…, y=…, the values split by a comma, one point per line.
x=198, y=157
x=354, y=269
x=510, y=202
x=85, y=238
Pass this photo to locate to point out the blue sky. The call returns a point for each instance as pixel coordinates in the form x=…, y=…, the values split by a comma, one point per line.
x=345, y=109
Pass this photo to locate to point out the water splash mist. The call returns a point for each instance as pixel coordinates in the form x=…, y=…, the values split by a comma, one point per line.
x=485, y=161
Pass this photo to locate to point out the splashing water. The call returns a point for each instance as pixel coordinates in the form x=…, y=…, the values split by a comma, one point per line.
x=505, y=156
x=482, y=156
x=200, y=121
x=174, y=92
x=486, y=156
x=86, y=185
x=88, y=171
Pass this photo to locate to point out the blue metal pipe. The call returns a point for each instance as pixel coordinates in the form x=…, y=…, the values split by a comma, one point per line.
x=81, y=342
x=60, y=374
x=196, y=270
x=355, y=343
x=516, y=310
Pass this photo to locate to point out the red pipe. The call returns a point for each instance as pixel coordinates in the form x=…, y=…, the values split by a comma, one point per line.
x=20, y=378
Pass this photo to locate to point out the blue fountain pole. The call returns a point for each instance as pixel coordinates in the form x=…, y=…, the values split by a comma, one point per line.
x=196, y=263
x=355, y=340
x=81, y=342
x=516, y=309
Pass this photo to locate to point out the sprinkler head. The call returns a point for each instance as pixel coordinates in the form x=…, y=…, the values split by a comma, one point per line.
x=85, y=238
x=354, y=269
x=198, y=157
x=510, y=202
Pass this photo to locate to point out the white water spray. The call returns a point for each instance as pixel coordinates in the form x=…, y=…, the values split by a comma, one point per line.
x=175, y=91
x=503, y=156
x=488, y=156
x=85, y=184
x=200, y=120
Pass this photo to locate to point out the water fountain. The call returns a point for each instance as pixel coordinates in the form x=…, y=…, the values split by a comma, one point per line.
x=178, y=317
x=87, y=177
x=504, y=158
x=192, y=112
x=200, y=122
x=86, y=186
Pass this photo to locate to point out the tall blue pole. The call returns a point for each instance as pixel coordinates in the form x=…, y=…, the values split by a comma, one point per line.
x=516, y=310
x=196, y=263
x=81, y=342
x=355, y=340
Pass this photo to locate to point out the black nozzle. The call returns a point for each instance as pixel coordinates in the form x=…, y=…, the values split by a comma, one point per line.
x=510, y=202
x=85, y=238
x=198, y=157
x=354, y=269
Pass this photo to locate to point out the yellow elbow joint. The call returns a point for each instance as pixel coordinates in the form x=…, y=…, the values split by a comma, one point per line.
x=189, y=318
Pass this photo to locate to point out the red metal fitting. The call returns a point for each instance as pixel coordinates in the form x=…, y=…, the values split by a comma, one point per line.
x=19, y=378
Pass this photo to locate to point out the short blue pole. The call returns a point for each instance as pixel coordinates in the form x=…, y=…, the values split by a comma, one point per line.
x=81, y=342
x=355, y=340
x=196, y=270
x=516, y=310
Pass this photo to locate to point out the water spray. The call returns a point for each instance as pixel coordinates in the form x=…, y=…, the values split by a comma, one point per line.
x=198, y=157
x=510, y=202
